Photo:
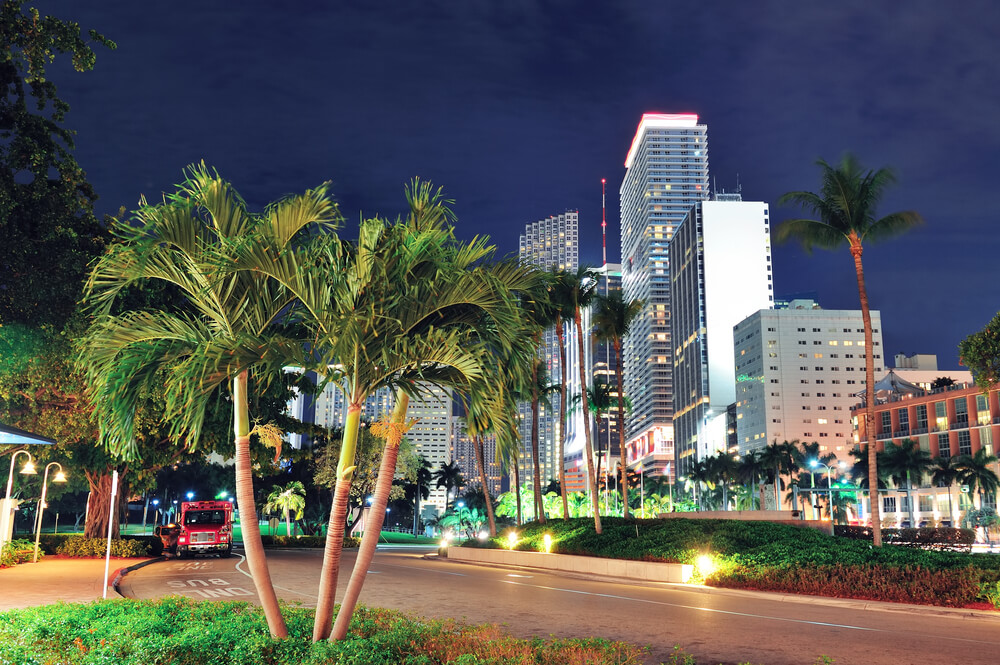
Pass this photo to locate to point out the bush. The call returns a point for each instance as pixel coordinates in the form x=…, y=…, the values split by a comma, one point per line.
x=17, y=551
x=77, y=546
x=183, y=632
x=304, y=541
x=933, y=538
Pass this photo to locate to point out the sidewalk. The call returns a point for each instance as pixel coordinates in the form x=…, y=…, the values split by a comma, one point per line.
x=53, y=579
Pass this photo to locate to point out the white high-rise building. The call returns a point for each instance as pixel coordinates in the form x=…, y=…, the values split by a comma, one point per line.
x=666, y=174
x=798, y=373
x=720, y=273
x=547, y=244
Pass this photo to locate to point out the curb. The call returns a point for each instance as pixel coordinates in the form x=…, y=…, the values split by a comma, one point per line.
x=777, y=596
x=119, y=574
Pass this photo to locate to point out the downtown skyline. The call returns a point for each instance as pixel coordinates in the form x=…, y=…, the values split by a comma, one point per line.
x=519, y=111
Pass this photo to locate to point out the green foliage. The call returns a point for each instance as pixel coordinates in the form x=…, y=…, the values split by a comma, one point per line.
x=934, y=538
x=767, y=555
x=175, y=630
x=17, y=551
x=76, y=546
x=304, y=541
x=990, y=591
x=980, y=352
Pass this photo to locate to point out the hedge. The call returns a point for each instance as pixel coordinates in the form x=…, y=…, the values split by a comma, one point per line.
x=304, y=541
x=933, y=538
x=75, y=545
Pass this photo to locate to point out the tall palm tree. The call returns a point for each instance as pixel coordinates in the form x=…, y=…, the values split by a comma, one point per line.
x=805, y=454
x=584, y=287
x=750, y=471
x=975, y=472
x=903, y=462
x=944, y=472
x=448, y=476
x=722, y=468
x=561, y=299
x=778, y=459
x=423, y=484
x=846, y=206
x=227, y=328
x=613, y=320
x=700, y=475
x=287, y=500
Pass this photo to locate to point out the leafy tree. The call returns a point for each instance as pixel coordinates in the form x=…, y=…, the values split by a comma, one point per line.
x=846, y=206
x=228, y=328
x=613, y=321
x=974, y=471
x=942, y=382
x=980, y=352
x=46, y=204
x=287, y=500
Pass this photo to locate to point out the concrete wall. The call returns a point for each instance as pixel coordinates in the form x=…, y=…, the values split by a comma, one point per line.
x=637, y=570
x=780, y=516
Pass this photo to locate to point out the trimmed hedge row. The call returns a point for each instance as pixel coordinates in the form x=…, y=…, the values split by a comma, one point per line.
x=934, y=538
x=304, y=541
x=75, y=545
x=779, y=557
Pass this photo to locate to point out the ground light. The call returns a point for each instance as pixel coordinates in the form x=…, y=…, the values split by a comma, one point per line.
x=547, y=543
x=704, y=565
x=511, y=539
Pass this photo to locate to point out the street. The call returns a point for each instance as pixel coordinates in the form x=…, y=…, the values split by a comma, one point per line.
x=714, y=625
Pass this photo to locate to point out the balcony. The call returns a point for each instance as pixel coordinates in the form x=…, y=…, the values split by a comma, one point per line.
x=899, y=434
x=919, y=430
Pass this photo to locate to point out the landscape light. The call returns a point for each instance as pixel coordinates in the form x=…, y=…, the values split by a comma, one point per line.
x=512, y=539
x=705, y=565
x=547, y=542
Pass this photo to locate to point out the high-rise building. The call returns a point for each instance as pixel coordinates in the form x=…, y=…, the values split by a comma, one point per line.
x=666, y=174
x=720, y=273
x=798, y=373
x=547, y=244
x=463, y=453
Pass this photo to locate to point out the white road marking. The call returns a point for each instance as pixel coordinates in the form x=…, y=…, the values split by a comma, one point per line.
x=239, y=568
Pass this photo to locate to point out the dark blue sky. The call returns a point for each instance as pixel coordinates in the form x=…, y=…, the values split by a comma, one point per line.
x=519, y=108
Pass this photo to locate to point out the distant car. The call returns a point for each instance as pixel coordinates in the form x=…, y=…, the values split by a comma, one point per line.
x=168, y=534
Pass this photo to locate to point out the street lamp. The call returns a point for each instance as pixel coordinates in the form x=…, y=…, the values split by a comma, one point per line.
x=190, y=495
x=27, y=470
x=829, y=483
x=60, y=478
x=156, y=507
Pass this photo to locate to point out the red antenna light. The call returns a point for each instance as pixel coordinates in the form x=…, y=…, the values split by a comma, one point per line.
x=604, y=223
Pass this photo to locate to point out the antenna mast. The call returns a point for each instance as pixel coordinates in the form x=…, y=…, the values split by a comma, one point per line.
x=604, y=223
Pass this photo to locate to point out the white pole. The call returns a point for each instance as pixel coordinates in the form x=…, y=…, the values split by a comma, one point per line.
x=111, y=513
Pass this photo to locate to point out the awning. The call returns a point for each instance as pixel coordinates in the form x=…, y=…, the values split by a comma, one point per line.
x=12, y=435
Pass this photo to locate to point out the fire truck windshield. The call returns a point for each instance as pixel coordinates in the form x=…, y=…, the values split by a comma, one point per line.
x=205, y=517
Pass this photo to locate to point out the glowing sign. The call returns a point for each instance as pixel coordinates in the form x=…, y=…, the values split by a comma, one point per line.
x=743, y=378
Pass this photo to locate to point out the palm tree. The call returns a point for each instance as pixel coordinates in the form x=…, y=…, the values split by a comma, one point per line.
x=448, y=476
x=584, y=287
x=807, y=453
x=613, y=320
x=224, y=330
x=846, y=205
x=561, y=301
x=750, y=471
x=944, y=472
x=779, y=458
x=902, y=462
x=974, y=471
x=700, y=475
x=422, y=484
x=722, y=469
x=286, y=500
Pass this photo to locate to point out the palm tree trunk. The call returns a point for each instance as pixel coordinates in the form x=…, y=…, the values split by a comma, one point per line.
x=777, y=490
x=537, y=480
x=621, y=418
x=866, y=318
x=589, y=452
x=477, y=443
x=373, y=528
x=561, y=459
x=288, y=524
x=249, y=524
x=338, y=521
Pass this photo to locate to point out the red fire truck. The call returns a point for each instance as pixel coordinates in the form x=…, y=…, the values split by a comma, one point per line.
x=205, y=526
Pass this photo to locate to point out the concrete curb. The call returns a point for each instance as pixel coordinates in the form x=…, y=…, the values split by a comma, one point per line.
x=122, y=572
x=859, y=604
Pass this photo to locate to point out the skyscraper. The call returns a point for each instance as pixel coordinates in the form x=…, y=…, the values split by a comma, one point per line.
x=547, y=244
x=720, y=273
x=666, y=174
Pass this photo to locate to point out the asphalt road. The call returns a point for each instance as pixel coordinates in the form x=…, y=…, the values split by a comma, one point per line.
x=716, y=626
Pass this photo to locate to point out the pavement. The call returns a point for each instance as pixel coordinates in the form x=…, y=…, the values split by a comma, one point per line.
x=55, y=579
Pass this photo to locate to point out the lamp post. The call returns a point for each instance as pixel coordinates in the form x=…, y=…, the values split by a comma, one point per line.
x=27, y=470
x=829, y=483
x=60, y=478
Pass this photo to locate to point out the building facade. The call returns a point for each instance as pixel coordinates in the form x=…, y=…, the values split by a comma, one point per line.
x=720, y=273
x=798, y=371
x=547, y=244
x=666, y=174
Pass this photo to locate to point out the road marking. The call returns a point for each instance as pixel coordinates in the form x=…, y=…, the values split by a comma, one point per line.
x=692, y=607
x=426, y=570
x=516, y=575
x=240, y=569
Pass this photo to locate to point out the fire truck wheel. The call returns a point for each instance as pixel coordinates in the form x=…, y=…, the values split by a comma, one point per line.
x=228, y=552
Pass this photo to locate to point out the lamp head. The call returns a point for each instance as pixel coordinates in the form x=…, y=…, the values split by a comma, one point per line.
x=60, y=477
x=813, y=464
x=29, y=469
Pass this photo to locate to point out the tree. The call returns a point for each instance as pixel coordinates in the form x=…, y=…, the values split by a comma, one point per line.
x=805, y=454
x=700, y=476
x=448, y=476
x=227, y=329
x=583, y=288
x=944, y=473
x=46, y=204
x=902, y=462
x=750, y=471
x=722, y=469
x=846, y=206
x=287, y=500
x=561, y=298
x=613, y=321
x=980, y=352
x=974, y=471
x=778, y=459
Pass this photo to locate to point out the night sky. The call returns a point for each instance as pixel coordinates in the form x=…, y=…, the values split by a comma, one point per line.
x=519, y=108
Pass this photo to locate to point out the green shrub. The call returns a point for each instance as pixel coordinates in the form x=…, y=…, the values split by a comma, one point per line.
x=17, y=551
x=935, y=538
x=97, y=547
x=304, y=541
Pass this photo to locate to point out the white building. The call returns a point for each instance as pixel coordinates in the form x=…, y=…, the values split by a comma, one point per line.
x=720, y=258
x=547, y=244
x=666, y=174
x=798, y=371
